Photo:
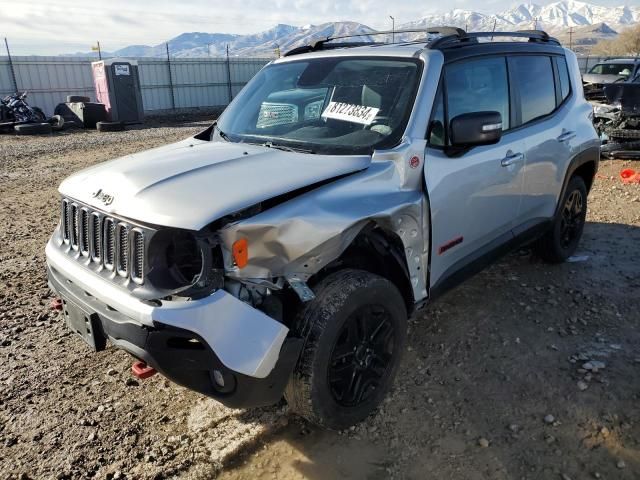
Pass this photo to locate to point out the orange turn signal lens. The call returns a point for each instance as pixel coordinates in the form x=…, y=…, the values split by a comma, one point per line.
x=240, y=252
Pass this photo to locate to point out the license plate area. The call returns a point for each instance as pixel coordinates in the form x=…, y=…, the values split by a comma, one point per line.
x=84, y=323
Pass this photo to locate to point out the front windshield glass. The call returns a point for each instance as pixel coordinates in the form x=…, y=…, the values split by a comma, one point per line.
x=325, y=105
x=622, y=69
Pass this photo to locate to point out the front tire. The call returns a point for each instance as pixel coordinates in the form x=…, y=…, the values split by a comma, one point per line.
x=561, y=241
x=355, y=332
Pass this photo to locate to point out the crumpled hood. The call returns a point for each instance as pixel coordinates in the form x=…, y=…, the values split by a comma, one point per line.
x=191, y=183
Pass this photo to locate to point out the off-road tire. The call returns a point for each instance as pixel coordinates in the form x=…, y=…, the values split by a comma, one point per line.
x=321, y=323
x=110, y=126
x=77, y=98
x=554, y=246
x=624, y=133
x=32, y=129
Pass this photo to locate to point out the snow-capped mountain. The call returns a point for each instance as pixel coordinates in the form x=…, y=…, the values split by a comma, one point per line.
x=555, y=17
x=263, y=44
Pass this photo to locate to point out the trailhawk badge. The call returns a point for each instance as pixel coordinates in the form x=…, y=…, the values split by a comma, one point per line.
x=103, y=197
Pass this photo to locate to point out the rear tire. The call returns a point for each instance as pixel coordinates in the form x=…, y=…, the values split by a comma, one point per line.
x=32, y=129
x=41, y=117
x=355, y=333
x=561, y=240
x=110, y=126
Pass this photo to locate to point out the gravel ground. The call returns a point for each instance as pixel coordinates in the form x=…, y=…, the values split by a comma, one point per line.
x=527, y=371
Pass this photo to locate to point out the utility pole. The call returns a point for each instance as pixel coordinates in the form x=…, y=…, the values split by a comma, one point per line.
x=173, y=98
x=495, y=21
x=209, y=49
x=535, y=23
x=393, y=29
x=229, y=75
x=13, y=72
x=570, y=38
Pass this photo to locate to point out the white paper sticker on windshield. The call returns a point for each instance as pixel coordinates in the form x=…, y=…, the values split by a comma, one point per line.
x=350, y=113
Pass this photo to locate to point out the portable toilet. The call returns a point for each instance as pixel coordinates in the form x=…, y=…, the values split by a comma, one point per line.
x=118, y=86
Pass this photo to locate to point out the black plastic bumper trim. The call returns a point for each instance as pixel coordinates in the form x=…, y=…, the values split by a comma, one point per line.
x=183, y=356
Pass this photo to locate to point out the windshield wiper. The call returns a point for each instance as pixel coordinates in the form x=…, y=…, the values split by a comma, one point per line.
x=222, y=135
x=286, y=148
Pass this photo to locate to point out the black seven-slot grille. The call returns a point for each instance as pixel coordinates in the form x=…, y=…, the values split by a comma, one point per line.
x=103, y=240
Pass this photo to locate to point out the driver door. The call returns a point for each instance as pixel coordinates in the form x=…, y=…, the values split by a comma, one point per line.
x=475, y=195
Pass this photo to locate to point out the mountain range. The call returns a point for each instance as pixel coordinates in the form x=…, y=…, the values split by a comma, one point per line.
x=589, y=22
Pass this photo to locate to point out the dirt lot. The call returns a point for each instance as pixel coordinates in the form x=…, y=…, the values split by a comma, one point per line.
x=501, y=379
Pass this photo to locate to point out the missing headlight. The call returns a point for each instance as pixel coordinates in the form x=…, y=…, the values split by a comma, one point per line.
x=175, y=259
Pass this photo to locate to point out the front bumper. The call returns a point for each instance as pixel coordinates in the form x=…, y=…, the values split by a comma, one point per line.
x=193, y=343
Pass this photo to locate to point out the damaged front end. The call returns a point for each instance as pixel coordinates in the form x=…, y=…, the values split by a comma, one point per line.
x=618, y=120
x=160, y=294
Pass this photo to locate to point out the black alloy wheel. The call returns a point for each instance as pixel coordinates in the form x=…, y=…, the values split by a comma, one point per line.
x=572, y=219
x=361, y=356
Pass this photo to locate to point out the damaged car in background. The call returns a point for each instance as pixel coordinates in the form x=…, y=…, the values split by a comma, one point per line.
x=618, y=119
x=281, y=251
x=607, y=72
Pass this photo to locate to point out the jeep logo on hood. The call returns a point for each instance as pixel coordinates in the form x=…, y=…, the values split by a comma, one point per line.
x=103, y=197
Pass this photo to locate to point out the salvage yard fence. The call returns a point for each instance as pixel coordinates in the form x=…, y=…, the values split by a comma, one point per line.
x=180, y=83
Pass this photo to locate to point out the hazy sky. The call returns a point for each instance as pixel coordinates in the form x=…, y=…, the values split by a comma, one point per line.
x=56, y=26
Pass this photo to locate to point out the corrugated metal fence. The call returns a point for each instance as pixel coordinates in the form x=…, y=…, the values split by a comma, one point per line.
x=197, y=82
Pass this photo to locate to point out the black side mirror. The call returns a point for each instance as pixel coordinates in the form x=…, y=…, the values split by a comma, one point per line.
x=476, y=128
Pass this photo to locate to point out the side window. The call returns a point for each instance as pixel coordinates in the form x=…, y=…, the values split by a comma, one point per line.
x=534, y=77
x=436, y=132
x=478, y=86
x=563, y=74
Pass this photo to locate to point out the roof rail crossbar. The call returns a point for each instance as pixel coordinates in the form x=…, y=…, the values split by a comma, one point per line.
x=449, y=37
x=319, y=45
x=533, y=36
x=322, y=43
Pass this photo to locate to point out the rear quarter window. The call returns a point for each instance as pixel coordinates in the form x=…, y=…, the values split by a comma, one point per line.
x=534, y=78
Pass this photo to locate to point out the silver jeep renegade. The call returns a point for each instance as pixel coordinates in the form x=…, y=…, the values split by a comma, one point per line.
x=280, y=252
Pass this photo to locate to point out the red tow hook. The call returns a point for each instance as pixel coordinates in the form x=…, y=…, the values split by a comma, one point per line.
x=56, y=304
x=142, y=370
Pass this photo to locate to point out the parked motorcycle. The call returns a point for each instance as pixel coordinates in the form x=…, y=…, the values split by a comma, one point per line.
x=17, y=115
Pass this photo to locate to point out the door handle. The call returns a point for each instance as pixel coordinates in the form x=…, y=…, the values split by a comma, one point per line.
x=511, y=158
x=566, y=136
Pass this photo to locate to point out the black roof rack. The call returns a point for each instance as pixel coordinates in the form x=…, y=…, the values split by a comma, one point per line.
x=449, y=37
x=322, y=44
x=535, y=36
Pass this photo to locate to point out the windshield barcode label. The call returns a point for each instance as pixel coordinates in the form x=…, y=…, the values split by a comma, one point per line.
x=350, y=113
